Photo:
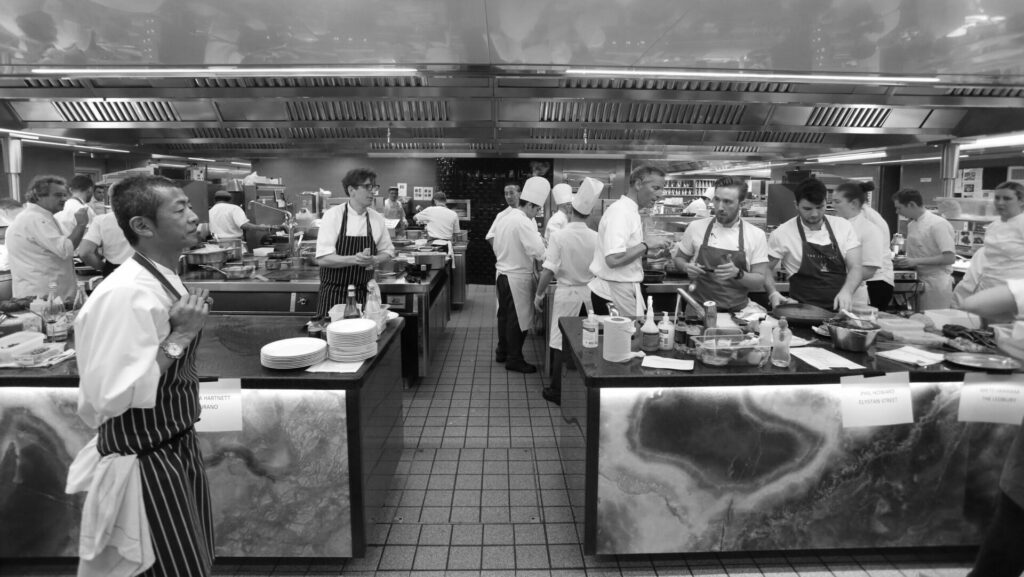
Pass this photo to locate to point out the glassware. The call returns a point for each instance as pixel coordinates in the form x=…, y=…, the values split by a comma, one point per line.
x=55, y=317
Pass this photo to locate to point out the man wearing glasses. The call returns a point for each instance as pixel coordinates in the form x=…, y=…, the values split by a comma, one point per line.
x=38, y=251
x=352, y=241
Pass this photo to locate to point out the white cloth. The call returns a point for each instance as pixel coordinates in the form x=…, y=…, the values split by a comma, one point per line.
x=39, y=253
x=1004, y=249
x=567, y=303
x=66, y=216
x=784, y=242
x=1016, y=287
x=619, y=230
x=226, y=220
x=440, y=221
x=490, y=232
x=330, y=228
x=523, y=287
x=115, y=539
x=755, y=242
x=394, y=210
x=698, y=207
x=517, y=245
x=930, y=235
x=106, y=234
x=626, y=296
x=117, y=334
x=556, y=222
x=568, y=255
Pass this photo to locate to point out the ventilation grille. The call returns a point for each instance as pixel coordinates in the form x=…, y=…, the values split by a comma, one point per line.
x=559, y=147
x=222, y=133
x=848, y=116
x=312, y=133
x=204, y=146
x=608, y=111
x=439, y=147
x=368, y=110
x=998, y=91
x=53, y=83
x=117, y=111
x=310, y=82
x=736, y=149
x=591, y=133
x=669, y=84
x=788, y=137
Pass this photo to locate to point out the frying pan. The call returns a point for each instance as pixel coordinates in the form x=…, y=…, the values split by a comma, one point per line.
x=802, y=315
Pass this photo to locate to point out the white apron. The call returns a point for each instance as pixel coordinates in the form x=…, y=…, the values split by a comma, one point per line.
x=523, y=287
x=567, y=302
x=625, y=296
x=936, y=290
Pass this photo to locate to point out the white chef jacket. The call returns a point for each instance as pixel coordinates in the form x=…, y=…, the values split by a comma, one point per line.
x=106, y=234
x=784, y=242
x=394, y=210
x=117, y=334
x=66, y=216
x=698, y=207
x=558, y=221
x=874, y=249
x=517, y=244
x=490, y=232
x=330, y=228
x=620, y=229
x=226, y=220
x=440, y=221
x=935, y=236
x=876, y=219
x=1004, y=248
x=755, y=243
x=569, y=253
x=39, y=253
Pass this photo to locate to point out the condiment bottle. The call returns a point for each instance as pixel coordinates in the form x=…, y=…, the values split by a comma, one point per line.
x=590, y=331
x=666, y=333
x=351, y=308
x=680, y=332
x=649, y=335
x=764, y=334
x=55, y=317
x=780, y=350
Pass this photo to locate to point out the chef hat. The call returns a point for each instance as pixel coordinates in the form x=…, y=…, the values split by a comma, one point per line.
x=562, y=193
x=586, y=197
x=222, y=195
x=536, y=190
x=709, y=193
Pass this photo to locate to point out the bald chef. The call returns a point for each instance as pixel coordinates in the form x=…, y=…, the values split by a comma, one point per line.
x=517, y=244
x=820, y=253
x=726, y=256
x=561, y=195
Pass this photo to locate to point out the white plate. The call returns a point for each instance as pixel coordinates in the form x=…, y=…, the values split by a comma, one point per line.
x=292, y=348
x=351, y=326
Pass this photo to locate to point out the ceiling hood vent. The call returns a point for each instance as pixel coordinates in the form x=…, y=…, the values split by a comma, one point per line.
x=235, y=133
x=848, y=116
x=736, y=149
x=53, y=83
x=559, y=147
x=336, y=133
x=997, y=91
x=591, y=133
x=788, y=137
x=310, y=82
x=438, y=146
x=607, y=111
x=671, y=84
x=368, y=110
x=116, y=111
x=219, y=146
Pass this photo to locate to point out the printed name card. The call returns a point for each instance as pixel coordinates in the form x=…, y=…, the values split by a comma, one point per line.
x=987, y=398
x=876, y=401
x=221, y=401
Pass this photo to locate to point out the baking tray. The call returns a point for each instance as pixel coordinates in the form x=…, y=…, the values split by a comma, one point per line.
x=801, y=314
x=983, y=361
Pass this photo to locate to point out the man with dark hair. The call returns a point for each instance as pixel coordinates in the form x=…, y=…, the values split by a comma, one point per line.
x=80, y=190
x=511, y=192
x=930, y=249
x=621, y=246
x=440, y=222
x=353, y=239
x=726, y=256
x=820, y=253
x=136, y=338
x=38, y=251
x=393, y=208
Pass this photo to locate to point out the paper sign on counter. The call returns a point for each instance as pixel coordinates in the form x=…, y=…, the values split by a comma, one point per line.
x=221, y=401
x=987, y=398
x=876, y=401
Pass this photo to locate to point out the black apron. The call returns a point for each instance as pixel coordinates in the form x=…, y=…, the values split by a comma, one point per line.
x=334, y=281
x=175, y=489
x=822, y=271
x=729, y=295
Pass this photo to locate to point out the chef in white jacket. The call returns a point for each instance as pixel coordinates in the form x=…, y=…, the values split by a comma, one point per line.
x=561, y=195
x=517, y=245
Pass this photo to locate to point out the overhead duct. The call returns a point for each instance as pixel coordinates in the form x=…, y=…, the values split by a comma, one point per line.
x=12, y=166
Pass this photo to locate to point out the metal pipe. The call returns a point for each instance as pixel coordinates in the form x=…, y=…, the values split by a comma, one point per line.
x=289, y=223
x=949, y=165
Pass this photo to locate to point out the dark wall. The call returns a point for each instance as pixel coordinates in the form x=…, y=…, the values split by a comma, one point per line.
x=301, y=174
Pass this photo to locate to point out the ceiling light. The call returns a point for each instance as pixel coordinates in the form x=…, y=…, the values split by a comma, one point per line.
x=80, y=146
x=850, y=157
x=172, y=165
x=26, y=134
x=202, y=159
x=245, y=164
x=227, y=71
x=23, y=136
x=752, y=75
x=906, y=160
x=994, y=142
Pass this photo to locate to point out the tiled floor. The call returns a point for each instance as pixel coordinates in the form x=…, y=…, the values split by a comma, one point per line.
x=482, y=489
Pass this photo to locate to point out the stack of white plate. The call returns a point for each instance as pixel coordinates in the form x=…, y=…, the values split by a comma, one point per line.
x=294, y=353
x=351, y=340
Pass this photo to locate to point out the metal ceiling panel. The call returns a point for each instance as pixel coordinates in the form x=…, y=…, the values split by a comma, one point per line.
x=198, y=110
x=36, y=110
x=252, y=110
x=996, y=91
x=781, y=136
x=944, y=118
x=906, y=117
x=236, y=133
x=848, y=116
x=735, y=149
x=606, y=112
x=590, y=82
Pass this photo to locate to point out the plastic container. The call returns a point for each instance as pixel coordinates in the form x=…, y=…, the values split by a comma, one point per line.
x=19, y=343
x=730, y=347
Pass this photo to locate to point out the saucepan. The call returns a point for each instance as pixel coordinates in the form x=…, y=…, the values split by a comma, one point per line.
x=207, y=255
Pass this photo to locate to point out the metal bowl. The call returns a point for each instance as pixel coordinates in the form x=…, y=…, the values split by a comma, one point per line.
x=237, y=272
x=851, y=335
x=208, y=256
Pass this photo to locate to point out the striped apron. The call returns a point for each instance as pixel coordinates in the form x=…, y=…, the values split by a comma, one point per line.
x=334, y=281
x=174, y=485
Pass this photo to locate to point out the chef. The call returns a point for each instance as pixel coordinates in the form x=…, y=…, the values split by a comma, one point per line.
x=1002, y=256
x=511, y=192
x=699, y=207
x=352, y=241
x=517, y=245
x=876, y=259
x=930, y=248
x=394, y=210
x=561, y=195
x=820, y=253
x=228, y=220
x=80, y=196
x=104, y=246
x=726, y=256
x=440, y=222
x=617, y=263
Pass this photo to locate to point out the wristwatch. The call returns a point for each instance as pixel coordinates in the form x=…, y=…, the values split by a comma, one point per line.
x=172, y=350
x=739, y=274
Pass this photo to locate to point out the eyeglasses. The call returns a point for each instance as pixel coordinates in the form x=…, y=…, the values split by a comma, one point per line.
x=374, y=188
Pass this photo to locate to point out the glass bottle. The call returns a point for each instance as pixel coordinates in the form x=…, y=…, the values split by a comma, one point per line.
x=780, y=349
x=351, y=307
x=55, y=317
x=76, y=305
x=649, y=334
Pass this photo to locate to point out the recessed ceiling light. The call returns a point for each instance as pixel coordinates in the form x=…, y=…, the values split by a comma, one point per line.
x=850, y=156
x=711, y=74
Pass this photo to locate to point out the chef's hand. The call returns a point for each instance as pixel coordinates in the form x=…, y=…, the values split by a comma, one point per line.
x=726, y=271
x=777, y=299
x=843, y=300
x=655, y=246
x=82, y=216
x=903, y=262
x=538, y=302
x=693, y=270
x=364, y=258
x=188, y=315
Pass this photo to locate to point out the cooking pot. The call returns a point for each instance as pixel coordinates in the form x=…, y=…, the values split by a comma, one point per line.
x=653, y=276
x=207, y=255
x=232, y=244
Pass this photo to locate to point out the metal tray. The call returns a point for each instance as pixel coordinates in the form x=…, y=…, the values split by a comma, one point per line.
x=984, y=361
x=802, y=314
